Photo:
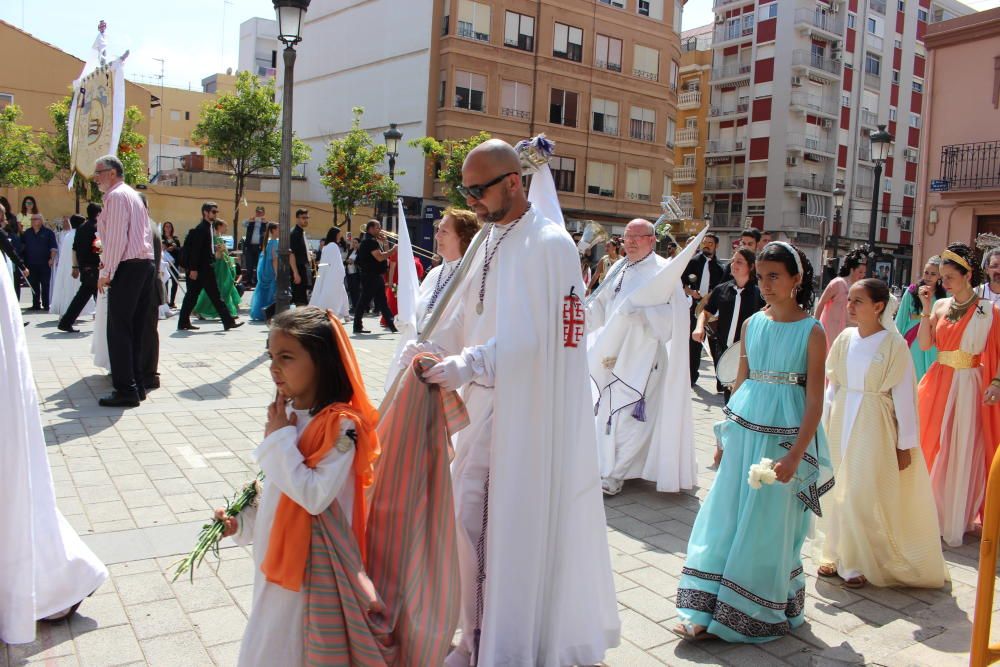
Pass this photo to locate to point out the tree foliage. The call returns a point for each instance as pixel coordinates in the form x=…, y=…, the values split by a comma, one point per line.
x=20, y=154
x=55, y=150
x=242, y=130
x=351, y=173
x=449, y=155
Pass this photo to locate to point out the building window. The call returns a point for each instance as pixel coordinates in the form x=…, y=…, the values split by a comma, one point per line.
x=895, y=76
x=898, y=43
x=922, y=15
x=909, y=189
x=568, y=43
x=887, y=185
x=871, y=25
x=884, y=222
x=620, y=4
x=678, y=11
x=873, y=64
x=470, y=91
x=562, y=107
x=601, y=179
x=608, y=53
x=515, y=100
x=671, y=132
x=674, y=73
x=445, y=20
x=668, y=189
x=564, y=173
x=643, y=124
x=906, y=224
x=604, y=116
x=915, y=120
x=474, y=20
x=651, y=8
x=6, y=99
x=175, y=114
x=637, y=184
x=901, y=5
x=912, y=155
x=646, y=64
x=187, y=115
x=768, y=11
x=443, y=89
x=519, y=31
x=691, y=123
x=852, y=20
x=845, y=101
x=918, y=86
x=892, y=114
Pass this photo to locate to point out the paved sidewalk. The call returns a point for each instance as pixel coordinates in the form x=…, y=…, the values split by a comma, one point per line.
x=138, y=484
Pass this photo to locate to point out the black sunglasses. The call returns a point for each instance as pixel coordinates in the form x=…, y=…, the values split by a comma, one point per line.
x=477, y=191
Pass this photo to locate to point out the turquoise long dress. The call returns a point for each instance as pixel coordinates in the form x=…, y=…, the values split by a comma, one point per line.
x=922, y=360
x=743, y=577
x=263, y=294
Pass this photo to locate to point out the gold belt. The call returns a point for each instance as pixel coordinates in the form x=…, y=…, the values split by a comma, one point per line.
x=957, y=359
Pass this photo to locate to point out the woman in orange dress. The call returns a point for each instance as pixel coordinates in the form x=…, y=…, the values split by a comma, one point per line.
x=959, y=397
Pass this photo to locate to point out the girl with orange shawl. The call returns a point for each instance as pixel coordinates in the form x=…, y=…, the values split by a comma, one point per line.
x=959, y=397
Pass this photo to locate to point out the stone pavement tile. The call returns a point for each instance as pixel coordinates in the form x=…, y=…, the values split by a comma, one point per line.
x=748, y=655
x=85, y=463
x=244, y=597
x=786, y=646
x=116, y=468
x=134, y=567
x=112, y=526
x=683, y=654
x=648, y=604
x=90, y=477
x=108, y=646
x=132, y=482
x=104, y=493
x=657, y=582
x=79, y=522
x=70, y=505
x=117, y=454
x=165, y=469
x=152, y=516
x=177, y=649
x=173, y=487
x=219, y=626
x=162, y=617
x=632, y=526
x=202, y=594
x=52, y=640
x=668, y=562
x=622, y=563
x=98, y=611
x=643, y=513
x=873, y=612
x=140, y=588
x=142, y=498
x=114, y=510
x=236, y=571
x=225, y=655
x=920, y=655
x=668, y=542
x=625, y=543
x=187, y=502
x=216, y=493
x=629, y=655
x=202, y=475
x=831, y=615
x=643, y=632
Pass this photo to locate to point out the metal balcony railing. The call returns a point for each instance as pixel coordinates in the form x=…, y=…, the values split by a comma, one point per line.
x=604, y=64
x=828, y=22
x=858, y=230
x=733, y=31
x=689, y=100
x=515, y=113
x=814, y=103
x=873, y=81
x=971, y=166
x=637, y=196
x=868, y=118
x=863, y=191
x=643, y=74
x=803, y=221
x=807, y=181
x=724, y=183
x=719, y=4
x=683, y=175
x=740, y=107
x=812, y=144
x=727, y=219
x=801, y=58
x=731, y=71
x=729, y=146
x=877, y=6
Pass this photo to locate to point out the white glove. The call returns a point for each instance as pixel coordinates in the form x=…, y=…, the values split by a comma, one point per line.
x=413, y=348
x=451, y=373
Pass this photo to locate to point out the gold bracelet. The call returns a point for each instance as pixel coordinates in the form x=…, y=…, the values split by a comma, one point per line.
x=924, y=316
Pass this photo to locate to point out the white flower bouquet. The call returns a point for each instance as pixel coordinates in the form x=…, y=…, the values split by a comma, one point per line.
x=762, y=473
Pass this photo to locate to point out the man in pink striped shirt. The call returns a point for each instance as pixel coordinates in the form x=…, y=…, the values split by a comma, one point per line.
x=127, y=273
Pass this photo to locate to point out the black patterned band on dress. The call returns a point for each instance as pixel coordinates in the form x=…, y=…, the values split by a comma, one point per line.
x=759, y=428
x=737, y=620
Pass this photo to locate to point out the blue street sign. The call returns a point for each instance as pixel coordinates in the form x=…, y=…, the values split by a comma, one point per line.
x=939, y=185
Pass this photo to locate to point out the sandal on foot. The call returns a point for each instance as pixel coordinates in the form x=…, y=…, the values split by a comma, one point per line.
x=826, y=571
x=855, y=582
x=686, y=632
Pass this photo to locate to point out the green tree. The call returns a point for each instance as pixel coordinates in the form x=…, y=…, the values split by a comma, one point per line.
x=351, y=173
x=448, y=156
x=20, y=154
x=55, y=149
x=242, y=130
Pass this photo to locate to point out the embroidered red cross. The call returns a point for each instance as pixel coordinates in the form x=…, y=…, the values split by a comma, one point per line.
x=573, y=319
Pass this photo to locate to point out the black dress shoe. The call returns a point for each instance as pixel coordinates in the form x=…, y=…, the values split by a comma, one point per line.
x=234, y=325
x=68, y=329
x=362, y=331
x=151, y=384
x=187, y=327
x=117, y=400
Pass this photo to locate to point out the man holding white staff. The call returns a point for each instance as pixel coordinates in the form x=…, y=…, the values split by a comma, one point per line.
x=639, y=369
x=533, y=554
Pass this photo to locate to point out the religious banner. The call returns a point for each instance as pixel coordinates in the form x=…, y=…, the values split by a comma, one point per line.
x=97, y=113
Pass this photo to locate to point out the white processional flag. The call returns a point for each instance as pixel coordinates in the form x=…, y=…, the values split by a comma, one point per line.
x=407, y=284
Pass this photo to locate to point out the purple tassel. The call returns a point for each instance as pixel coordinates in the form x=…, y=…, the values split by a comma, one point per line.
x=607, y=429
x=639, y=411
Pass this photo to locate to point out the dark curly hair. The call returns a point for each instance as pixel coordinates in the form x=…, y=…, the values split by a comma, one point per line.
x=312, y=328
x=966, y=253
x=777, y=252
x=939, y=291
x=853, y=260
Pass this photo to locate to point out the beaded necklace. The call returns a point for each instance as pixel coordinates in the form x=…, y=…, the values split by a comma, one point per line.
x=489, y=257
x=629, y=265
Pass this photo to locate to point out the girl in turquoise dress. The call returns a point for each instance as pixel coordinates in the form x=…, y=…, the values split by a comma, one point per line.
x=908, y=316
x=743, y=580
x=263, y=293
x=225, y=278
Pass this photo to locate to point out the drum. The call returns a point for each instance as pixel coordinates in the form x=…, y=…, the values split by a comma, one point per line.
x=729, y=366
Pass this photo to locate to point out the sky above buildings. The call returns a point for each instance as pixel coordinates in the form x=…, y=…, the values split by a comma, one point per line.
x=195, y=38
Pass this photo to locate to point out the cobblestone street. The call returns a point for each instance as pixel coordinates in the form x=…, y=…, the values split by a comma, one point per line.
x=138, y=484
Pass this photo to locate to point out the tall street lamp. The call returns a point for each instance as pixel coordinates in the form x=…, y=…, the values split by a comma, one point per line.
x=290, y=14
x=838, y=203
x=881, y=146
x=392, y=137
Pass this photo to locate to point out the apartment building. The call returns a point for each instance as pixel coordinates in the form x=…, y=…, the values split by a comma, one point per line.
x=259, y=47
x=692, y=120
x=797, y=87
x=598, y=77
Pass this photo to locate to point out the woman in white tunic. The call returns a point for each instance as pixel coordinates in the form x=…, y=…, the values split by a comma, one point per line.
x=875, y=518
x=45, y=569
x=329, y=292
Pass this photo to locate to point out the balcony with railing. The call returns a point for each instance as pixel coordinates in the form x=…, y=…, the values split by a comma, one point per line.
x=873, y=81
x=868, y=118
x=877, y=6
x=684, y=175
x=971, y=166
x=718, y=147
x=725, y=183
x=637, y=196
x=802, y=180
x=687, y=137
x=739, y=74
x=816, y=65
x=874, y=43
x=732, y=32
x=643, y=74
x=517, y=114
x=608, y=126
x=805, y=144
x=809, y=20
x=814, y=104
x=466, y=30
x=863, y=191
x=793, y=220
x=689, y=99
x=608, y=65
x=737, y=109
x=734, y=220
x=719, y=4
x=858, y=231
